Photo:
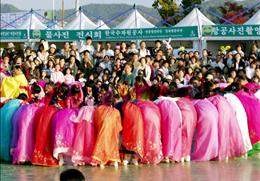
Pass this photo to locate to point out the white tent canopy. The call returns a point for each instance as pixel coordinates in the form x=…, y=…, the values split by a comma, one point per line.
x=195, y=18
x=134, y=20
x=80, y=22
x=32, y=23
x=101, y=25
x=254, y=20
x=5, y=25
x=55, y=26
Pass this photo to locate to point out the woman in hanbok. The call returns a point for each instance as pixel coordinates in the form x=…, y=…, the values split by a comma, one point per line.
x=230, y=141
x=171, y=121
x=43, y=148
x=251, y=105
x=84, y=138
x=107, y=123
x=63, y=127
x=206, y=132
x=76, y=96
x=241, y=118
x=189, y=120
x=141, y=87
x=133, y=133
x=6, y=129
x=11, y=87
x=257, y=94
x=152, y=132
x=15, y=122
x=23, y=150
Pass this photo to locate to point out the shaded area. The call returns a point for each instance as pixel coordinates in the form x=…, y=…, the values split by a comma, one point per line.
x=239, y=170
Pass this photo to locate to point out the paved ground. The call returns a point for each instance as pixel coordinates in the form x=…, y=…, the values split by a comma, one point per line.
x=235, y=170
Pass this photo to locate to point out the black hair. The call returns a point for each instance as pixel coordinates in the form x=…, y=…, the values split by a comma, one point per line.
x=88, y=38
x=22, y=96
x=155, y=92
x=105, y=87
x=35, y=88
x=232, y=87
x=182, y=92
x=63, y=90
x=17, y=66
x=207, y=88
x=75, y=89
x=72, y=174
x=139, y=79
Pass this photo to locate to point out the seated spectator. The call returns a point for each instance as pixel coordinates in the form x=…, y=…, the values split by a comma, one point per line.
x=57, y=75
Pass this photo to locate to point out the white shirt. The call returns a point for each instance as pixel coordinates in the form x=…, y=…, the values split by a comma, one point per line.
x=57, y=77
x=250, y=73
x=108, y=52
x=144, y=52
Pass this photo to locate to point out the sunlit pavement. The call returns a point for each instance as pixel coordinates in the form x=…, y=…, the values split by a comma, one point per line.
x=237, y=170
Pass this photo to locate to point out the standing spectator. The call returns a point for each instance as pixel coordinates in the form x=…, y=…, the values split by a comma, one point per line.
x=128, y=76
x=52, y=50
x=74, y=47
x=66, y=50
x=143, y=51
x=205, y=60
x=158, y=46
x=124, y=49
x=132, y=49
x=98, y=53
x=106, y=63
x=72, y=65
x=42, y=54
x=250, y=70
x=218, y=62
x=108, y=51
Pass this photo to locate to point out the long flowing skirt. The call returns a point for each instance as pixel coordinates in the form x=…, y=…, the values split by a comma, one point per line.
x=189, y=121
x=26, y=127
x=229, y=135
x=171, y=121
x=108, y=125
x=63, y=129
x=84, y=139
x=6, y=129
x=15, y=122
x=252, y=108
x=133, y=129
x=241, y=118
x=206, y=141
x=152, y=132
x=43, y=149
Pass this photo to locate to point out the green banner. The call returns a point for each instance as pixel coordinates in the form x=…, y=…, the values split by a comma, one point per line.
x=231, y=30
x=116, y=34
x=13, y=34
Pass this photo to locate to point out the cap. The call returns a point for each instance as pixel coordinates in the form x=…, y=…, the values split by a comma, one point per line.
x=53, y=46
x=169, y=77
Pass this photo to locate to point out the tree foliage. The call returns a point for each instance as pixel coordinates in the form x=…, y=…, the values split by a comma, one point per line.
x=167, y=9
x=188, y=3
x=232, y=9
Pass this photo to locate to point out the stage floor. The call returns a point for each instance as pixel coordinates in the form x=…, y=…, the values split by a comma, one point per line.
x=233, y=170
